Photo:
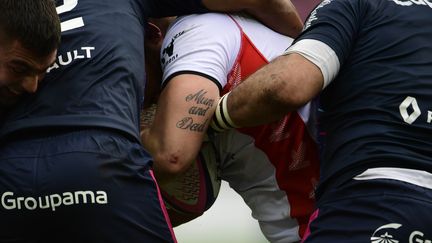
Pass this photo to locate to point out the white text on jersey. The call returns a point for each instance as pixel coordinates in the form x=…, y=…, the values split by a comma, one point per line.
x=9, y=202
x=84, y=52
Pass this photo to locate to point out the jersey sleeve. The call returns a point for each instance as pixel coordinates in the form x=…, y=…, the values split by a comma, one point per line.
x=205, y=45
x=335, y=23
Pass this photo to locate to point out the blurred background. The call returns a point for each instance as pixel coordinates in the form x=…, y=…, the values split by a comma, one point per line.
x=229, y=219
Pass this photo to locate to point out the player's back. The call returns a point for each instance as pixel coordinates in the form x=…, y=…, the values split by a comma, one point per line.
x=378, y=109
x=98, y=78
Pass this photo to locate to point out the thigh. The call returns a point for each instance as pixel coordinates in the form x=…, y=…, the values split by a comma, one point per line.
x=91, y=187
x=16, y=181
x=391, y=211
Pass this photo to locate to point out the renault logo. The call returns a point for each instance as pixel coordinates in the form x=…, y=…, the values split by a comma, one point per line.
x=409, y=102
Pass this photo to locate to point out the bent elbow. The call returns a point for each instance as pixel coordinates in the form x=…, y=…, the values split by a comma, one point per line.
x=171, y=164
x=167, y=167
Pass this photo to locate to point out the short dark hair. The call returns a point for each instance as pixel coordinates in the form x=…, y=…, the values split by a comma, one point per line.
x=34, y=23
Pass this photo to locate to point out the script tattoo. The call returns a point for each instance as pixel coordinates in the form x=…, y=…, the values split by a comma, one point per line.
x=187, y=123
x=200, y=99
x=200, y=105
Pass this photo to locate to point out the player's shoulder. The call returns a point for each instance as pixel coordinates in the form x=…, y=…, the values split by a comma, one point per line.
x=205, y=18
x=212, y=23
x=341, y=11
x=210, y=32
x=345, y=5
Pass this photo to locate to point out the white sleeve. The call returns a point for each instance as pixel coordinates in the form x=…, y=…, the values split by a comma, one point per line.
x=205, y=44
x=320, y=54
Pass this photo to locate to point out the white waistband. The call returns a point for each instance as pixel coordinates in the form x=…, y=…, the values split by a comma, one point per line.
x=416, y=177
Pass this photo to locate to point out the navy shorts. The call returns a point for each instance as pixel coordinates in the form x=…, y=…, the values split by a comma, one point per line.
x=80, y=186
x=373, y=211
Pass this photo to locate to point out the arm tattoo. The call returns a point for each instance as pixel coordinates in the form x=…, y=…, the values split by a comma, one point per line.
x=199, y=107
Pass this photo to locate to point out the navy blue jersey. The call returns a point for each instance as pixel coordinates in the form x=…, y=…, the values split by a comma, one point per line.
x=98, y=79
x=378, y=110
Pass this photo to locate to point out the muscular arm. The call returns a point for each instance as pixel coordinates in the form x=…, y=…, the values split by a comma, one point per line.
x=284, y=85
x=280, y=15
x=185, y=108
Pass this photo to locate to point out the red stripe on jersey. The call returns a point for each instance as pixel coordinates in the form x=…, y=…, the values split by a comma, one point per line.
x=287, y=143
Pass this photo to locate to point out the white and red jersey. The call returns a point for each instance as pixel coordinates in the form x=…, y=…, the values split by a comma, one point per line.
x=274, y=167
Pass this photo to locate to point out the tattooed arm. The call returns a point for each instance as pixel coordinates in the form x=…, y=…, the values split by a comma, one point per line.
x=184, y=110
